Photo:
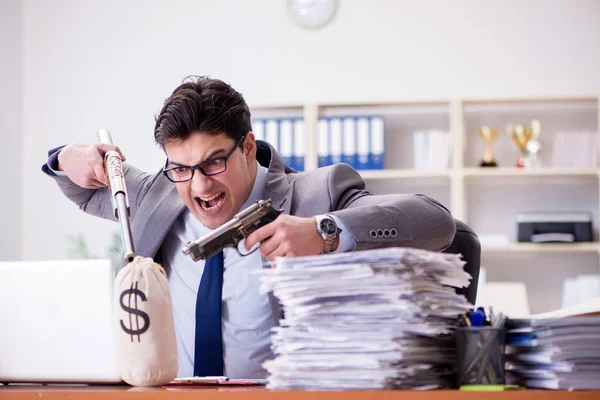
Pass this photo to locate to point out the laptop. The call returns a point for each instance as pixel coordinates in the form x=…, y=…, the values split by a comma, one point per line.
x=57, y=322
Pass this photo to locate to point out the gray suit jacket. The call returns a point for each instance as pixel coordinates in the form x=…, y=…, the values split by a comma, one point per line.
x=417, y=220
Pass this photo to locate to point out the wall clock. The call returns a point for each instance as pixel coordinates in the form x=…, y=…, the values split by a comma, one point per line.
x=312, y=14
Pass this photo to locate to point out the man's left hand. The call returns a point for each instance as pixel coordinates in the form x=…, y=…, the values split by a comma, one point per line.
x=287, y=236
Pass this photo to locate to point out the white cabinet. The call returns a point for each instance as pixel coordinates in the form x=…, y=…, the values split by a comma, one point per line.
x=487, y=199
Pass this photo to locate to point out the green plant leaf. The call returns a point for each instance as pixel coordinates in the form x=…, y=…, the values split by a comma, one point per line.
x=115, y=250
x=78, y=248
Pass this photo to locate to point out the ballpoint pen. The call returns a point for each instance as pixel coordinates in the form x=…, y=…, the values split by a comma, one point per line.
x=477, y=317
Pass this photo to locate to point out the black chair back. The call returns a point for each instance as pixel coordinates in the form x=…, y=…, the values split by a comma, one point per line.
x=465, y=242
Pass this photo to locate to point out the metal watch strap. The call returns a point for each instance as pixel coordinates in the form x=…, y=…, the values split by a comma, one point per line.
x=329, y=242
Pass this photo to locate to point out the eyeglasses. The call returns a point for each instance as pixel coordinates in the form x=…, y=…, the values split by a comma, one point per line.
x=212, y=167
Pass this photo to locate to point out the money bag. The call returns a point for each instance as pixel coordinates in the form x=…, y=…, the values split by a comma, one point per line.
x=145, y=340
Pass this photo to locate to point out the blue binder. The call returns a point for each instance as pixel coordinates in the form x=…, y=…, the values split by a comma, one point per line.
x=299, y=145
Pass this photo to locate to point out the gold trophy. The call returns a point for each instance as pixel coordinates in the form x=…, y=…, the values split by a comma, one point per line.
x=526, y=139
x=488, y=135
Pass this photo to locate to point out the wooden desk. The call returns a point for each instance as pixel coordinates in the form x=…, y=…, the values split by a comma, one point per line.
x=259, y=393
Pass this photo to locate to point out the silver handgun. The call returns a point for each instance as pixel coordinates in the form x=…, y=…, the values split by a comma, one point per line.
x=120, y=201
x=233, y=232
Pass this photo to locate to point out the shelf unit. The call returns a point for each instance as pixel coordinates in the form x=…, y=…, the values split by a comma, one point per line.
x=499, y=192
x=548, y=171
x=403, y=174
x=462, y=169
x=581, y=247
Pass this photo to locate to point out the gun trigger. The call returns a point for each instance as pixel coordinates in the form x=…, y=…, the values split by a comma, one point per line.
x=256, y=247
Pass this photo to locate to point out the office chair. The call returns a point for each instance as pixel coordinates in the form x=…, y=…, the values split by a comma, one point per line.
x=465, y=242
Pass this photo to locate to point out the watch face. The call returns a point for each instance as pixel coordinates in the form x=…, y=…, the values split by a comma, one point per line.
x=328, y=226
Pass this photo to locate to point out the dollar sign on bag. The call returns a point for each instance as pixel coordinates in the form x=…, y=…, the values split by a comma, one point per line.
x=134, y=313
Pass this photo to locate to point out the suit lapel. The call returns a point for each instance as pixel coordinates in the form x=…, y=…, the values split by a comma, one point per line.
x=161, y=216
x=282, y=200
x=280, y=190
x=278, y=187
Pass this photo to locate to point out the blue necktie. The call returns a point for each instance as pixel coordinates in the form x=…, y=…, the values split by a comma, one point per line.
x=208, y=354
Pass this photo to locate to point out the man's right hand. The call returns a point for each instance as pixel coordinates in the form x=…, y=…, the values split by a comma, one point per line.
x=84, y=164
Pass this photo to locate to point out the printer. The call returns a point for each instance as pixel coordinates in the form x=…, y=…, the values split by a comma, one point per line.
x=541, y=227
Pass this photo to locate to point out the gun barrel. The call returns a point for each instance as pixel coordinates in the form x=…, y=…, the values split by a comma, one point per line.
x=207, y=246
x=189, y=248
x=123, y=215
x=120, y=202
x=195, y=251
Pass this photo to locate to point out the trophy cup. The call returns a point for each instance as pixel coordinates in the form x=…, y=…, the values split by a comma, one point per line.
x=526, y=139
x=533, y=146
x=488, y=135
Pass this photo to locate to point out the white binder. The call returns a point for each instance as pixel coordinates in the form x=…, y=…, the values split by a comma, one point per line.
x=335, y=134
x=363, y=149
x=349, y=150
x=377, y=142
x=286, y=140
x=420, y=152
x=272, y=133
x=323, y=142
x=299, y=145
x=258, y=128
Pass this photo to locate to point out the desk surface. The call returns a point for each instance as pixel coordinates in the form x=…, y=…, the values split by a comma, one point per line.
x=259, y=393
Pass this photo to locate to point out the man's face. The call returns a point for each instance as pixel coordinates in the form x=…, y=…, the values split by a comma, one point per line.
x=214, y=199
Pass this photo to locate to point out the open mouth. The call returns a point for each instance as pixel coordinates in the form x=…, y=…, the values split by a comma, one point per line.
x=211, y=203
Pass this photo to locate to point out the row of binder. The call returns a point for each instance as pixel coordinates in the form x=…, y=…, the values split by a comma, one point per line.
x=286, y=135
x=357, y=141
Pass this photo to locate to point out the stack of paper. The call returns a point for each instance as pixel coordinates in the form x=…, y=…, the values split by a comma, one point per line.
x=366, y=320
x=561, y=350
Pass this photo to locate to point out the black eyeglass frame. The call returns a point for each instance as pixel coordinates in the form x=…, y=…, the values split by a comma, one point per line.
x=199, y=166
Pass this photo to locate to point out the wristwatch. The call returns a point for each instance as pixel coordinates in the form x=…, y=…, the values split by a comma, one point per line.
x=328, y=229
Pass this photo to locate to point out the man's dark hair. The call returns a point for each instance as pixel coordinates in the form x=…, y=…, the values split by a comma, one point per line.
x=202, y=104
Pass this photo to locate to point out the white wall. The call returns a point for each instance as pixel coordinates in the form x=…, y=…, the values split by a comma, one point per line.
x=11, y=126
x=111, y=63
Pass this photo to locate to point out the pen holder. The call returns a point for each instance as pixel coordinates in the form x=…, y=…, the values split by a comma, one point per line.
x=480, y=355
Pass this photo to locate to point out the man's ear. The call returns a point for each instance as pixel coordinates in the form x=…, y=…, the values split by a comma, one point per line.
x=250, y=148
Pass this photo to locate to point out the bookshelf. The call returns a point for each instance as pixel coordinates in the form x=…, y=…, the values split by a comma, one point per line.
x=406, y=173
x=516, y=172
x=582, y=247
x=499, y=193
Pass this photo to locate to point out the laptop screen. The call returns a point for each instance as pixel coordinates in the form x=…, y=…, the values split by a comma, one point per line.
x=57, y=322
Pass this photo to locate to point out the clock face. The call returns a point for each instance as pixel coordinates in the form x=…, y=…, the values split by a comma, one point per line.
x=312, y=14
